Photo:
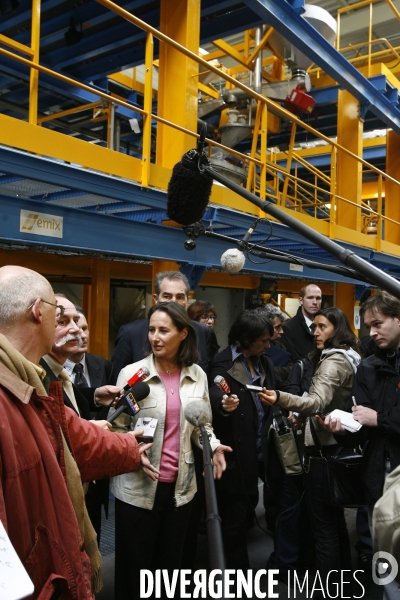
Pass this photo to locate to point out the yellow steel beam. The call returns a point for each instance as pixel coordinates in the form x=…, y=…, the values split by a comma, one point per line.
x=345, y=300
x=260, y=46
x=232, y=52
x=223, y=280
x=70, y=111
x=16, y=45
x=349, y=170
x=34, y=74
x=46, y=142
x=207, y=89
x=148, y=98
x=178, y=91
x=392, y=191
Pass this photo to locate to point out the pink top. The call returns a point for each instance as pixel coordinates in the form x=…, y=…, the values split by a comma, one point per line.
x=172, y=431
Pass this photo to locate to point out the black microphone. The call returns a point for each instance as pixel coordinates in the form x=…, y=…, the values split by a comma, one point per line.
x=190, y=186
x=129, y=402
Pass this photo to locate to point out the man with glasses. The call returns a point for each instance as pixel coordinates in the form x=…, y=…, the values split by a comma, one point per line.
x=46, y=450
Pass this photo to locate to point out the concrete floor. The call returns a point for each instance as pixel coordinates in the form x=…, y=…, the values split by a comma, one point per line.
x=260, y=545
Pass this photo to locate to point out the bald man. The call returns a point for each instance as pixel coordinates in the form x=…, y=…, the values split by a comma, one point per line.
x=46, y=450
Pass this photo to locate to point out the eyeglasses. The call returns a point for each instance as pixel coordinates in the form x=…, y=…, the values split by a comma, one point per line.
x=61, y=308
x=208, y=318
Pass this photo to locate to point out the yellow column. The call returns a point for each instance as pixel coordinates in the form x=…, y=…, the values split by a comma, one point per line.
x=177, y=80
x=99, y=308
x=349, y=172
x=392, y=190
x=345, y=300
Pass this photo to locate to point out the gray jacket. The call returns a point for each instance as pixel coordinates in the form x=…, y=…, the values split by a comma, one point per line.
x=137, y=488
x=330, y=388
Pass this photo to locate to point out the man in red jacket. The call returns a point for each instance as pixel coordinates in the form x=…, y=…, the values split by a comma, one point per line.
x=46, y=450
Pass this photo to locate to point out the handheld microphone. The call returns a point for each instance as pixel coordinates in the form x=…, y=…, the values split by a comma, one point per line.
x=129, y=402
x=141, y=374
x=222, y=384
x=190, y=186
x=198, y=413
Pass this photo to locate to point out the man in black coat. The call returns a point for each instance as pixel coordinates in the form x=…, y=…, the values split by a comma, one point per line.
x=298, y=332
x=242, y=421
x=170, y=286
x=376, y=390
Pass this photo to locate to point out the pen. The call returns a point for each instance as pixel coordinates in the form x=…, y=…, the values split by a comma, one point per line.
x=354, y=401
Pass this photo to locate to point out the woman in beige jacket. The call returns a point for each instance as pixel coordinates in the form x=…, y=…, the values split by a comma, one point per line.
x=335, y=361
x=153, y=505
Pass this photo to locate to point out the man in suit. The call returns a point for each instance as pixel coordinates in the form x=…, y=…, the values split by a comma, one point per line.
x=89, y=370
x=298, y=332
x=85, y=369
x=170, y=286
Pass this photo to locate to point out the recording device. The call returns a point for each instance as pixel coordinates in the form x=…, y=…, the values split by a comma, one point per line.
x=129, y=401
x=189, y=188
x=141, y=374
x=318, y=413
x=148, y=424
x=254, y=388
x=222, y=384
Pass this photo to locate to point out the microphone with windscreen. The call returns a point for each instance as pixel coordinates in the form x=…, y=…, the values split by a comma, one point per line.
x=198, y=413
x=189, y=188
x=129, y=401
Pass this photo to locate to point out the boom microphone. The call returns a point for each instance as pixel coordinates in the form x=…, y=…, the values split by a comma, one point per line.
x=198, y=413
x=222, y=384
x=232, y=260
x=190, y=186
x=129, y=401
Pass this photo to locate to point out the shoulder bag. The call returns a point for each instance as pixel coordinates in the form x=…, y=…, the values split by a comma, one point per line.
x=343, y=487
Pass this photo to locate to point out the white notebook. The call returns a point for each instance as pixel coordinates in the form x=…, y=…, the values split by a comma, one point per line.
x=347, y=420
x=15, y=582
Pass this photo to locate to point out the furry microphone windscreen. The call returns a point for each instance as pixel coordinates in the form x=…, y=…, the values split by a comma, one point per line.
x=233, y=260
x=197, y=413
x=188, y=194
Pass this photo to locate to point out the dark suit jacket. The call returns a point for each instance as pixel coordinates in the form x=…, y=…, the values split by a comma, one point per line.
x=100, y=370
x=100, y=373
x=84, y=397
x=296, y=337
x=131, y=342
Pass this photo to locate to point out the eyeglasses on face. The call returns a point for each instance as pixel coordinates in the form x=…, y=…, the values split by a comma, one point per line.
x=60, y=310
x=208, y=318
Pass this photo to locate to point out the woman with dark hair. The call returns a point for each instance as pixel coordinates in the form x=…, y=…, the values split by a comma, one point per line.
x=335, y=361
x=238, y=419
x=203, y=311
x=152, y=505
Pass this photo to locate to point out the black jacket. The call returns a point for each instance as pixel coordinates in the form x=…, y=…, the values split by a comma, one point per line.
x=376, y=385
x=100, y=370
x=296, y=337
x=132, y=338
x=239, y=428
